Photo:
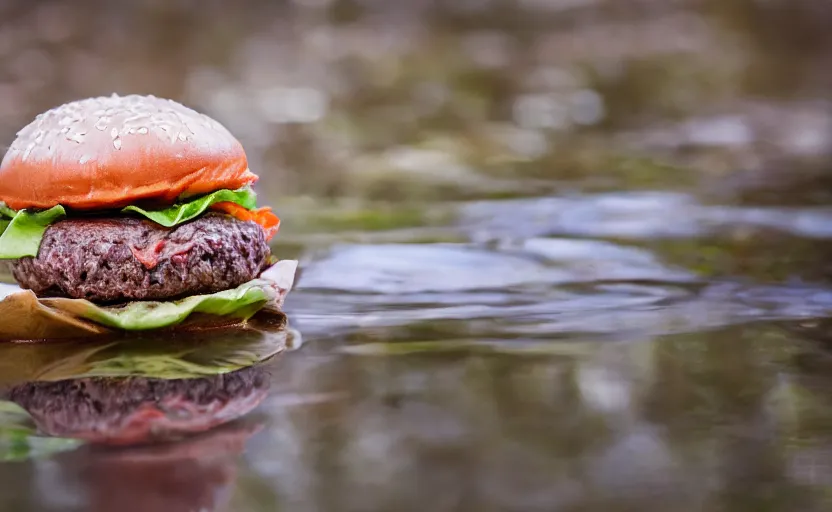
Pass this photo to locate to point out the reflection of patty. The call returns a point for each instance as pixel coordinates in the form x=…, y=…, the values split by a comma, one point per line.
x=117, y=259
x=136, y=409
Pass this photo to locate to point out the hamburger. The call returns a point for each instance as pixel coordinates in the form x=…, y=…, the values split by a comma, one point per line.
x=135, y=212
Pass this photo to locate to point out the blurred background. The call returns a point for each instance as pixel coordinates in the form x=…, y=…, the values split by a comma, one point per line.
x=557, y=254
x=427, y=99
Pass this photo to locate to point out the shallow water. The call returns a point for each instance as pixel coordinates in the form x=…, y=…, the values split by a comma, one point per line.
x=554, y=255
x=730, y=418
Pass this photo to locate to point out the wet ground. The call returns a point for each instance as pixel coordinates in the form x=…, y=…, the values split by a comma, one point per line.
x=564, y=256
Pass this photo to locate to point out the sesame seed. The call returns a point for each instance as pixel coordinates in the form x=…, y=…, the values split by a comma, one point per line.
x=136, y=117
x=142, y=130
x=77, y=137
x=117, y=143
x=114, y=133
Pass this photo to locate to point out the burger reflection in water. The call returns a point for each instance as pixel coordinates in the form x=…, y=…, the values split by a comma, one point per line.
x=198, y=473
x=161, y=422
x=134, y=410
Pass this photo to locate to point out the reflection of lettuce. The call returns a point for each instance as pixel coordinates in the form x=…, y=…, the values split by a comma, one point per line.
x=202, y=354
x=18, y=439
x=222, y=352
x=22, y=231
x=14, y=420
x=162, y=366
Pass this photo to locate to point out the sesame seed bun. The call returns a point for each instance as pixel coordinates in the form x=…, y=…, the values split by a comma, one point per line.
x=109, y=152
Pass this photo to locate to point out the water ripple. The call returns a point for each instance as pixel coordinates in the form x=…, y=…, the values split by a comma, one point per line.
x=632, y=215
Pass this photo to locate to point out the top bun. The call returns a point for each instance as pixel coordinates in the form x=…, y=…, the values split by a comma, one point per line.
x=109, y=152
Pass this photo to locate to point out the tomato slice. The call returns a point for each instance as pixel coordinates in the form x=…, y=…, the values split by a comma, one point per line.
x=263, y=216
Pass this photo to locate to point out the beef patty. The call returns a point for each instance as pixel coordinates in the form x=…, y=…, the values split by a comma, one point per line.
x=109, y=260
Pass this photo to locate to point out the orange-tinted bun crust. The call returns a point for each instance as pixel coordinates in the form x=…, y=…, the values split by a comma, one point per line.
x=109, y=152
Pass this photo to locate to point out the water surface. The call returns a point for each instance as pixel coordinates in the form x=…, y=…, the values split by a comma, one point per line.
x=554, y=255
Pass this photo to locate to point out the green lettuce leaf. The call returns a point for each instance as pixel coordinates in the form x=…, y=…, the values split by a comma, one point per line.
x=5, y=211
x=4, y=223
x=241, y=303
x=180, y=213
x=24, y=316
x=23, y=234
